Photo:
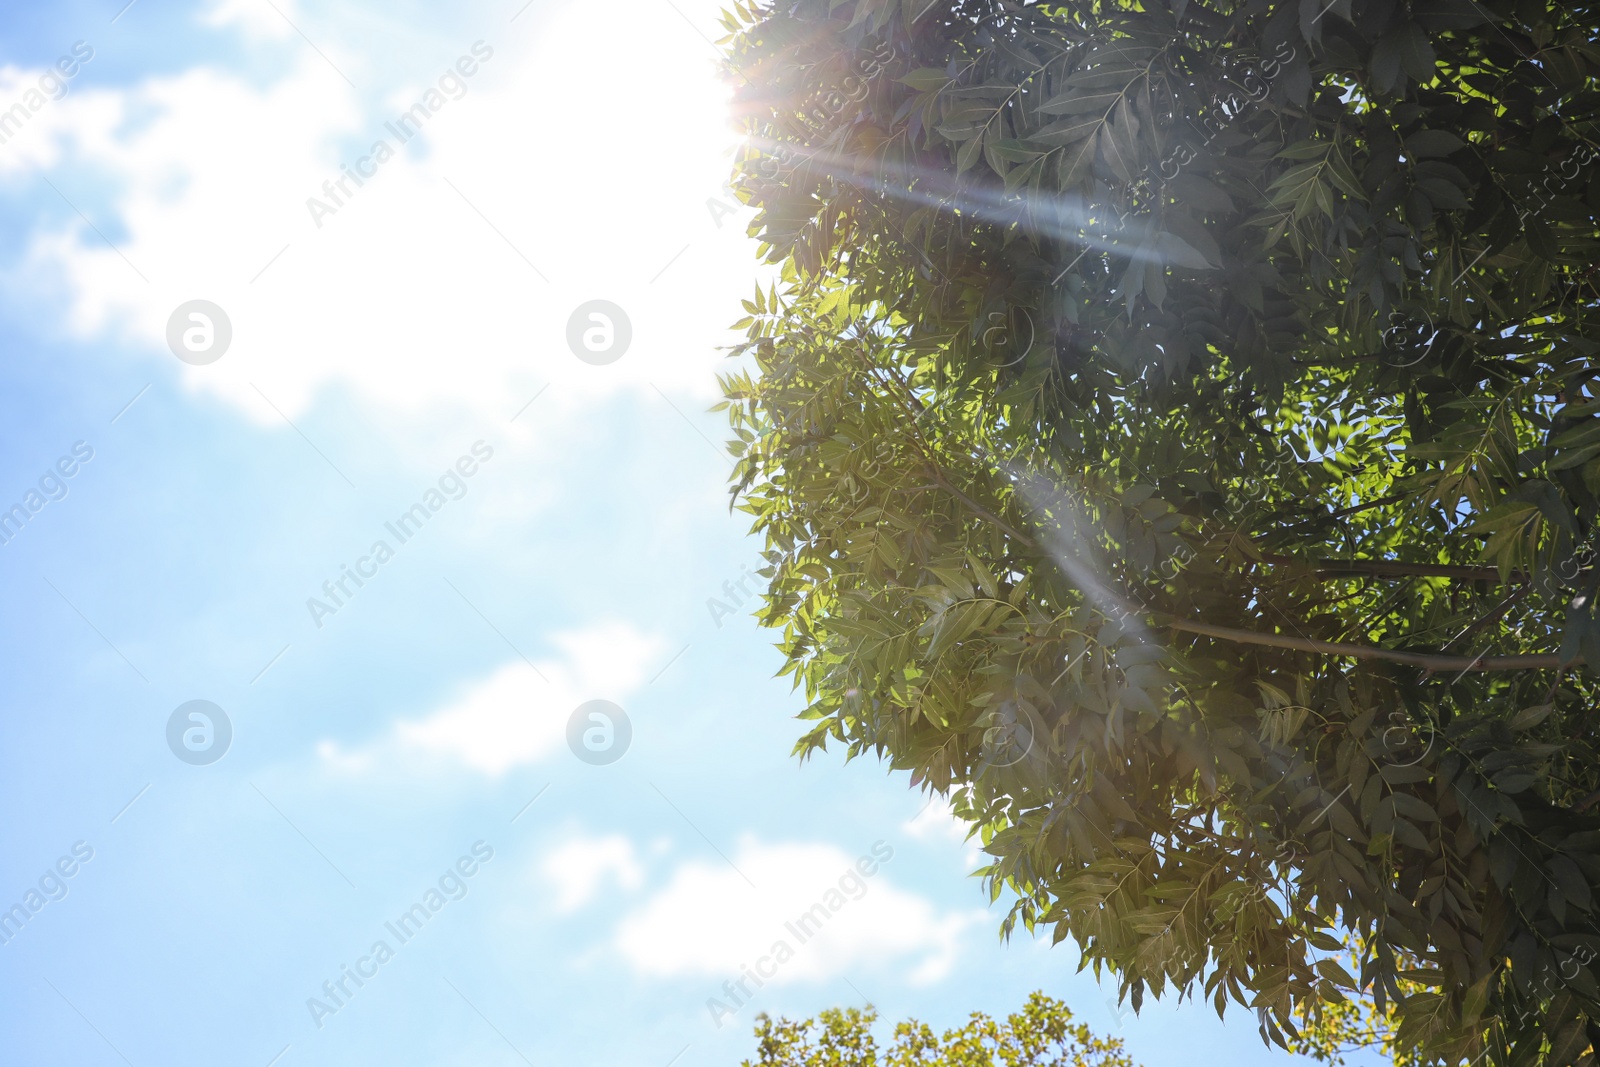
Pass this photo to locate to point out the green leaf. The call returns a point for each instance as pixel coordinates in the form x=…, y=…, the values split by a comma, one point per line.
x=1333, y=972
x=1427, y=144
x=1528, y=718
x=926, y=79
x=1079, y=103
x=1573, y=884
x=1199, y=193
x=1416, y=53
x=1540, y=238
x=1175, y=250
x=1567, y=1043
x=968, y=155
x=1066, y=132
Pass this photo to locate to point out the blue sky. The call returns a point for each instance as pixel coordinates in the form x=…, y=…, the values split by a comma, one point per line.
x=376, y=747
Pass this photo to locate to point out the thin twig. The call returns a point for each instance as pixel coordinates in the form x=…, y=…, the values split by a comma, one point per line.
x=1389, y=568
x=1427, y=661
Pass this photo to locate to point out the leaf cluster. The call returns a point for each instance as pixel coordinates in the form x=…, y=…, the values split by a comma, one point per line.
x=1042, y=1034
x=1178, y=429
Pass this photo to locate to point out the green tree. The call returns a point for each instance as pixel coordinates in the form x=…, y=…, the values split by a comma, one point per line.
x=1042, y=1034
x=1178, y=428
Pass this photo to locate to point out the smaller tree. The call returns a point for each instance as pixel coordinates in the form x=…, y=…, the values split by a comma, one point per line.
x=1042, y=1034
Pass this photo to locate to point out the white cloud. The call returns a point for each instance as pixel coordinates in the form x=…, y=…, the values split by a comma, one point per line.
x=938, y=822
x=578, y=868
x=418, y=293
x=936, y=819
x=518, y=714
x=495, y=725
x=708, y=920
x=254, y=17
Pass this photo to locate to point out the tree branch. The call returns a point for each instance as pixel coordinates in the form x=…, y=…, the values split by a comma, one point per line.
x=915, y=408
x=1425, y=660
x=1351, y=510
x=1392, y=568
x=979, y=510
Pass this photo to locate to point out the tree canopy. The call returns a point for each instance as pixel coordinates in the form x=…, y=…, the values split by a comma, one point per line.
x=1042, y=1034
x=1178, y=429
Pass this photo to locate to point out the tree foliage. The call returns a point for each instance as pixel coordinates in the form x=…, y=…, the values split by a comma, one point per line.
x=1178, y=428
x=1042, y=1034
